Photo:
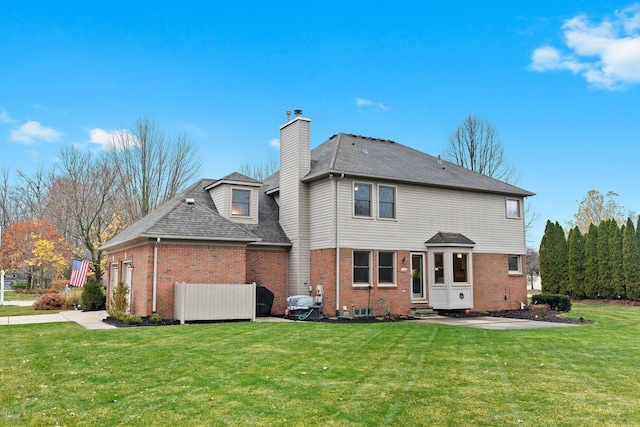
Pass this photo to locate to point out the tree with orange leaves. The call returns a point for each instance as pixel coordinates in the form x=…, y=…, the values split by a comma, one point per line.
x=35, y=248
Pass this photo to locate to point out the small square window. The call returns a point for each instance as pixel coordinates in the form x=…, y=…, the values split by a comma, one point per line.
x=362, y=199
x=513, y=208
x=240, y=202
x=514, y=264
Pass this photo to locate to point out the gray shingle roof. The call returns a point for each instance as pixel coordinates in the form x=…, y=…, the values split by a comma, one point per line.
x=177, y=219
x=383, y=159
x=441, y=238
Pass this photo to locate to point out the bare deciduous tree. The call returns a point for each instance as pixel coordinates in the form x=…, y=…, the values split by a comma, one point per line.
x=475, y=145
x=596, y=207
x=151, y=167
x=260, y=171
x=32, y=191
x=83, y=202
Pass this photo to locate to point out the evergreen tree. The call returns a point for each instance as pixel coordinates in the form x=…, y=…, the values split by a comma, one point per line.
x=631, y=261
x=545, y=257
x=615, y=254
x=553, y=259
x=575, y=266
x=591, y=262
x=561, y=260
x=604, y=266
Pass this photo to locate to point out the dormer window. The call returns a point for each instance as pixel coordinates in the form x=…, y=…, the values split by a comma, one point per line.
x=240, y=202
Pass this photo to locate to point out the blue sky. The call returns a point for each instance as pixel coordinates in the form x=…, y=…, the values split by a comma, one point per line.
x=560, y=80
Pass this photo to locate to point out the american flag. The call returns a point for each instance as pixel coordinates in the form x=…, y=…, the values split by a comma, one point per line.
x=79, y=270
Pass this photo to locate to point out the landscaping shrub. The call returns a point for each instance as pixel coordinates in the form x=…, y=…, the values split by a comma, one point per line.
x=555, y=301
x=118, y=303
x=92, y=296
x=51, y=301
x=19, y=284
x=155, y=319
x=74, y=299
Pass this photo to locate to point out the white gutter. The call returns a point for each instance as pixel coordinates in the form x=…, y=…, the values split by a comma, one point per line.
x=155, y=275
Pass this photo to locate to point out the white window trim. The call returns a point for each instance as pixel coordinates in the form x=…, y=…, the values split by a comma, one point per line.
x=515, y=272
x=361, y=284
x=395, y=202
x=250, y=191
x=395, y=270
x=519, y=215
x=372, y=201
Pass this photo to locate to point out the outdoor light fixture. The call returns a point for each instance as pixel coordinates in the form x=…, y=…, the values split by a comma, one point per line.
x=130, y=267
x=404, y=260
x=459, y=256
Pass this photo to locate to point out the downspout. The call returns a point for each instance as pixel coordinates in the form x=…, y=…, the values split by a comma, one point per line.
x=337, y=241
x=155, y=275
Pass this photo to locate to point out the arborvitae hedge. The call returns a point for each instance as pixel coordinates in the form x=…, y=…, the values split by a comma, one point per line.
x=603, y=263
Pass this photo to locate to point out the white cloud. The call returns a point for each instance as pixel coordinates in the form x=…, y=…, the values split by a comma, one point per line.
x=606, y=54
x=274, y=142
x=33, y=131
x=6, y=118
x=362, y=102
x=105, y=138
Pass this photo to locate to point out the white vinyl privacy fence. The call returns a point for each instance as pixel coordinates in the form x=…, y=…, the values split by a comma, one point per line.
x=195, y=301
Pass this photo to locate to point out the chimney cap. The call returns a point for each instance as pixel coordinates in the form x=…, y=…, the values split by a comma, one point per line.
x=297, y=113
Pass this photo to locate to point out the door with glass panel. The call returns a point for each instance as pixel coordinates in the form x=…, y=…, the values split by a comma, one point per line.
x=418, y=282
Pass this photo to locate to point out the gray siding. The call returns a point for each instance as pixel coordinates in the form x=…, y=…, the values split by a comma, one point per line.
x=422, y=212
x=221, y=197
x=322, y=206
x=294, y=200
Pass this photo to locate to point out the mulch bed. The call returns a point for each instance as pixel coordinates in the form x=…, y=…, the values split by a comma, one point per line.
x=548, y=316
x=145, y=322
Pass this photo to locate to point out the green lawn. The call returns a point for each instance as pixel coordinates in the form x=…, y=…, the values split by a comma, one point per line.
x=307, y=374
x=13, y=296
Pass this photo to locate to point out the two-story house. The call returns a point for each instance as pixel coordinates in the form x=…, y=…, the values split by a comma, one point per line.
x=364, y=223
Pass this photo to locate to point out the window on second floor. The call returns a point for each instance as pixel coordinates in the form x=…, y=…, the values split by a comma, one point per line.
x=386, y=202
x=361, y=199
x=513, y=208
x=240, y=202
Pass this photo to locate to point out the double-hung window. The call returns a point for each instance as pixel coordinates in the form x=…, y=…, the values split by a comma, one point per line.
x=386, y=268
x=386, y=202
x=240, y=202
x=361, y=267
x=361, y=199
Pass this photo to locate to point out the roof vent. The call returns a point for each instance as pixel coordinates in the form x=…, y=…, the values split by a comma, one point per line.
x=190, y=201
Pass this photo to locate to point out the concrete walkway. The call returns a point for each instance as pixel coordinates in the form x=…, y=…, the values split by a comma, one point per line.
x=87, y=319
x=495, y=323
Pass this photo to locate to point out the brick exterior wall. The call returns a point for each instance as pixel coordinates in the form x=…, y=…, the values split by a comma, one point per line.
x=382, y=299
x=268, y=268
x=185, y=262
x=202, y=263
x=492, y=282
